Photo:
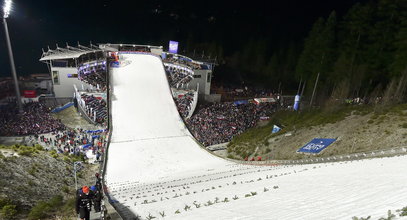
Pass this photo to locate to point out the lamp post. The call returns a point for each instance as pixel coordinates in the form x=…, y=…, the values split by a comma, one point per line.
x=76, y=165
x=6, y=13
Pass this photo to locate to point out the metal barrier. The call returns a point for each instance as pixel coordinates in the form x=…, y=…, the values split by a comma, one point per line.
x=108, y=209
x=336, y=158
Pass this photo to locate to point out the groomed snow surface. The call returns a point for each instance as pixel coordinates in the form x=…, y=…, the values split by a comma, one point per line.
x=155, y=168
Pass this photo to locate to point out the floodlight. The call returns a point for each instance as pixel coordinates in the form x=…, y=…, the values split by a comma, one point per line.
x=7, y=8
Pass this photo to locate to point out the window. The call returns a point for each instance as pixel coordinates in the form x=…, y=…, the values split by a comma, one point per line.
x=197, y=76
x=59, y=63
x=208, y=77
x=55, y=77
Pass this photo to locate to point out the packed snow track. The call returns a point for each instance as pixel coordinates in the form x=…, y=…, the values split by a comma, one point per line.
x=156, y=168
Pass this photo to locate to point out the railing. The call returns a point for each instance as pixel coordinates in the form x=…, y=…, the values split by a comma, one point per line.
x=194, y=103
x=354, y=156
x=108, y=209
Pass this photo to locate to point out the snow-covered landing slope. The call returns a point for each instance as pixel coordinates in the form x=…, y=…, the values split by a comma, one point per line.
x=149, y=141
x=155, y=167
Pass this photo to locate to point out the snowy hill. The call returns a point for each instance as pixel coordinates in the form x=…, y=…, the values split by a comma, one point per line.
x=155, y=168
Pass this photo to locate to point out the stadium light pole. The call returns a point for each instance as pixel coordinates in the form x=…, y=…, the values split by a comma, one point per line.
x=6, y=13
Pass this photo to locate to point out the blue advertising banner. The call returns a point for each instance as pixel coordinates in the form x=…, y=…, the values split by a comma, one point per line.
x=173, y=47
x=241, y=102
x=56, y=110
x=316, y=145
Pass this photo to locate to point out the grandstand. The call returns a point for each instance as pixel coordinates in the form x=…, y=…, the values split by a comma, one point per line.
x=82, y=72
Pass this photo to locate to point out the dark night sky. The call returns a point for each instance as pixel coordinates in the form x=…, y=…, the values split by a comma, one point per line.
x=36, y=24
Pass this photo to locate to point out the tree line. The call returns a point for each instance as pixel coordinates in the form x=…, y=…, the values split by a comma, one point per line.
x=360, y=54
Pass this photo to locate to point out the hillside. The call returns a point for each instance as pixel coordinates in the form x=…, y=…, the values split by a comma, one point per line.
x=356, y=128
x=31, y=177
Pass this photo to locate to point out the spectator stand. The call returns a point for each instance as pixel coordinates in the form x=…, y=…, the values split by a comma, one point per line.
x=183, y=60
x=186, y=101
x=36, y=119
x=178, y=75
x=91, y=105
x=220, y=122
x=94, y=73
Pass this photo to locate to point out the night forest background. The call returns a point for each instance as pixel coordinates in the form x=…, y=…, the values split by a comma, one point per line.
x=360, y=54
x=358, y=50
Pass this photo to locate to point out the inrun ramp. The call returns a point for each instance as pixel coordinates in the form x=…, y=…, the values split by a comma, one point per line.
x=149, y=137
x=156, y=169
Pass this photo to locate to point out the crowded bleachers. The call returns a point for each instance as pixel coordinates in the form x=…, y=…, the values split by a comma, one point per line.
x=6, y=89
x=231, y=93
x=95, y=108
x=178, y=76
x=220, y=122
x=36, y=119
x=171, y=58
x=94, y=73
x=184, y=103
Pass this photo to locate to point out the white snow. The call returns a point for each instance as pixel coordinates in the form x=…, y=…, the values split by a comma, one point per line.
x=153, y=159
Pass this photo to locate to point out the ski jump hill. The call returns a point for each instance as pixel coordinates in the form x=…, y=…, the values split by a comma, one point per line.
x=155, y=168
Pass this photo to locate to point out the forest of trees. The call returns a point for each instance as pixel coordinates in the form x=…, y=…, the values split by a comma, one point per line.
x=360, y=54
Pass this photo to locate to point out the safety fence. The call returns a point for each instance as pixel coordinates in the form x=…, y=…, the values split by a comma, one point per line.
x=59, y=109
x=109, y=211
x=336, y=158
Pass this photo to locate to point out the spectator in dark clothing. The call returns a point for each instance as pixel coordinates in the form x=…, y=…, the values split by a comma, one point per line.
x=83, y=204
x=97, y=198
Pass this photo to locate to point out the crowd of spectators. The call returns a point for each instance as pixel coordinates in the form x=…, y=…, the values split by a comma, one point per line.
x=35, y=119
x=6, y=89
x=182, y=61
x=231, y=93
x=220, y=122
x=96, y=108
x=178, y=77
x=94, y=74
x=73, y=141
x=184, y=103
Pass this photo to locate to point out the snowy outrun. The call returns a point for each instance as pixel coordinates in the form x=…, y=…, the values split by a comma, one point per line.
x=156, y=168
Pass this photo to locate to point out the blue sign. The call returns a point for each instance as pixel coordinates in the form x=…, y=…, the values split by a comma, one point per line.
x=173, y=47
x=86, y=146
x=316, y=145
x=56, y=110
x=115, y=64
x=95, y=131
x=296, y=102
x=275, y=129
x=241, y=102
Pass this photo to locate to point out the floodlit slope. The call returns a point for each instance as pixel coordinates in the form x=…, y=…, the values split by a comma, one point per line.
x=149, y=140
x=155, y=168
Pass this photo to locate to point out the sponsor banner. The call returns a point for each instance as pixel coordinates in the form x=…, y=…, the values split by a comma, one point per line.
x=95, y=131
x=316, y=145
x=30, y=93
x=173, y=48
x=58, y=109
x=241, y=102
x=262, y=100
